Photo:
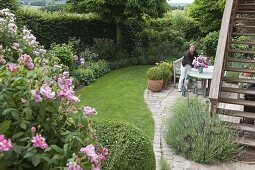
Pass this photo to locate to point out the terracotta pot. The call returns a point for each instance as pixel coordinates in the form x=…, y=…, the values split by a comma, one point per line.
x=247, y=74
x=155, y=85
x=164, y=86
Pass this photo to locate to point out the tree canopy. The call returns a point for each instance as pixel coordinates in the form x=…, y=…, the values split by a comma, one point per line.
x=208, y=14
x=120, y=11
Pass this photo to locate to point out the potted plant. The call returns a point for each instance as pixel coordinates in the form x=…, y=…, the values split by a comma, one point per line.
x=166, y=69
x=200, y=63
x=155, y=76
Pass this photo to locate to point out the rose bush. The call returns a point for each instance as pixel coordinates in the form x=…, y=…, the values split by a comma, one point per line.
x=40, y=124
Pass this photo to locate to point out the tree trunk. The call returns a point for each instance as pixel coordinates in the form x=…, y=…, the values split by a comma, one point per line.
x=118, y=28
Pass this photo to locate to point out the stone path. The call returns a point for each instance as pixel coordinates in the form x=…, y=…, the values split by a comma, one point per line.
x=159, y=104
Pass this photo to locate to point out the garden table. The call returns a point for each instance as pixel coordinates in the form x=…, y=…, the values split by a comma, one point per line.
x=205, y=77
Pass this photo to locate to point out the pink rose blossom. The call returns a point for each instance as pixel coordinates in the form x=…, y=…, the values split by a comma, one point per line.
x=46, y=90
x=91, y=153
x=15, y=46
x=97, y=167
x=36, y=95
x=89, y=111
x=82, y=60
x=5, y=144
x=33, y=129
x=75, y=57
x=12, y=67
x=30, y=65
x=64, y=83
x=2, y=61
x=74, y=166
x=39, y=141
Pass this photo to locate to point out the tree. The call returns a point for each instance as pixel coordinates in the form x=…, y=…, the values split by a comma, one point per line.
x=119, y=11
x=10, y=4
x=208, y=14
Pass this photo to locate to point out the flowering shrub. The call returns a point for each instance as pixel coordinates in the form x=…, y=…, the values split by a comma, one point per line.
x=40, y=124
x=200, y=61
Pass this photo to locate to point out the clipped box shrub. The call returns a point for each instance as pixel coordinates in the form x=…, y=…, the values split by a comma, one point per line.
x=192, y=133
x=84, y=76
x=155, y=73
x=129, y=148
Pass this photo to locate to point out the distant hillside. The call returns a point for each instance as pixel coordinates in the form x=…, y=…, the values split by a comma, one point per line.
x=178, y=4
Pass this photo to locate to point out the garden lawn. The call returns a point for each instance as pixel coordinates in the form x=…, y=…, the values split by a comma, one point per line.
x=119, y=95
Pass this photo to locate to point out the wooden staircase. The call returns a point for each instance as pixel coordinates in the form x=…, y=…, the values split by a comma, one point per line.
x=236, y=49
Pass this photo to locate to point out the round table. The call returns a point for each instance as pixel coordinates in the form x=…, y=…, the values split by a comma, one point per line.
x=205, y=77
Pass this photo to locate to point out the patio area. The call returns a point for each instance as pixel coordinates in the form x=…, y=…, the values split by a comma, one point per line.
x=159, y=104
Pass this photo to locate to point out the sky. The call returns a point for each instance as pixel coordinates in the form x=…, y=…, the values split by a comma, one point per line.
x=180, y=1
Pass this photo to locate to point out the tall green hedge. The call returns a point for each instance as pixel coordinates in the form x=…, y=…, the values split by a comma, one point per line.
x=59, y=27
x=10, y=4
x=129, y=148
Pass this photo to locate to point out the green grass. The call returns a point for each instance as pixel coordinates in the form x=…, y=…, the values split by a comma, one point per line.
x=118, y=95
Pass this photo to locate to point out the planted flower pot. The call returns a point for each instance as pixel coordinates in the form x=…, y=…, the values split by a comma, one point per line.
x=155, y=76
x=155, y=85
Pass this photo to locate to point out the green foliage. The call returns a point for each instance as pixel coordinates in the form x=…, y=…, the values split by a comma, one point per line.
x=99, y=68
x=121, y=11
x=232, y=74
x=163, y=164
x=195, y=135
x=10, y=4
x=181, y=22
x=129, y=147
x=166, y=69
x=155, y=73
x=85, y=76
x=208, y=14
x=210, y=43
x=62, y=26
x=29, y=89
x=105, y=48
x=119, y=63
x=159, y=41
x=64, y=52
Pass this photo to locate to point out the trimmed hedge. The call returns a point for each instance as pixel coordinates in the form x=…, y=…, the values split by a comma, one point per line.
x=129, y=148
x=59, y=27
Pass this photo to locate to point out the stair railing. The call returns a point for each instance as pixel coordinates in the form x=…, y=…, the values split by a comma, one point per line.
x=221, y=53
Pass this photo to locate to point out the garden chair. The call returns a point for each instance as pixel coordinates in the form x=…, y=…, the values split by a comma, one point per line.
x=177, y=69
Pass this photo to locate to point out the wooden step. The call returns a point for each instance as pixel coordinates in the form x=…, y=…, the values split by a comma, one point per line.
x=246, y=6
x=246, y=141
x=238, y=80
x=245, y=12
x=247, y=156
x=243, y=34
x=243, y=127
x=243, y=42
x=241, y=60
x=242, y=18
x=237, y=113
x=244, y=70
x=238, y=90
x=237, y=101
x=244, y=26
x=241, y=51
